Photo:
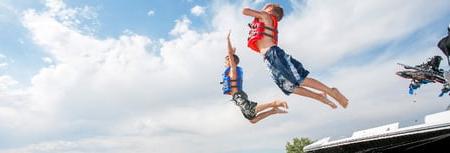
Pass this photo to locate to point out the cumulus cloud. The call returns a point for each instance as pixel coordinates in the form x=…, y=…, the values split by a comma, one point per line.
x=198, y=10
x=151, y=13
x=2, y=65
x=47, y=60
x=79, y=90
x=83, y=19
x=322, y=28
x=118, y=95
x=3, y=61
x=6, y=82
x=7, y=12
x=181, y=26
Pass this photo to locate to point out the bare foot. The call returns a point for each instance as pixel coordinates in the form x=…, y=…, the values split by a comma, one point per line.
x=341, y=99
x=279, y=111
x=283, y=104
x=325, y=100
x=331, y=104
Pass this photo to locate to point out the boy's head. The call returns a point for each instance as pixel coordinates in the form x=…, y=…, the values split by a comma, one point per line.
x=236, y=59
x=274, y=9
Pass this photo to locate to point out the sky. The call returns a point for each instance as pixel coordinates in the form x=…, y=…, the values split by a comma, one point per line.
x=143, y=76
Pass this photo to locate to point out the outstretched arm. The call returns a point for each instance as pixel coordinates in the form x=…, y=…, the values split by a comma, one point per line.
x=231, y=51
x=232, y=62
x=252, y=13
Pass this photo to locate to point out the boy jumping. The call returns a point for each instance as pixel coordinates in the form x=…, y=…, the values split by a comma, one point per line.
x=287, y=72
x=232, y=85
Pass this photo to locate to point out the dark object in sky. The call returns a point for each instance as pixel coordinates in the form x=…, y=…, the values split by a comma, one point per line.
x=444, y=45
x=428, y=72
x=433, y=135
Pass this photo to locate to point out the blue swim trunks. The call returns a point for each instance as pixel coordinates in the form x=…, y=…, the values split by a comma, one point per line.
x=287, y=72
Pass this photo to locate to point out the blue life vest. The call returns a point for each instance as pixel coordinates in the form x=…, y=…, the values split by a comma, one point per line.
x=416, y=85
x=226, y=82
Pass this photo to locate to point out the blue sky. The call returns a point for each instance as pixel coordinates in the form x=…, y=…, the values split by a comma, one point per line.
x=112, y=20
x=96, y=76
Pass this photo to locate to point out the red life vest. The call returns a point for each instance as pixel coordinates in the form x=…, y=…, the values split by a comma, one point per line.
x=256, y=32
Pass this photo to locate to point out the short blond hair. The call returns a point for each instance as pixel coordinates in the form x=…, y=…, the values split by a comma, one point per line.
x=276, y=9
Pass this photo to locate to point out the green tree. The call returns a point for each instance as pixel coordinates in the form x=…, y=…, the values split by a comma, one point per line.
x=297, y=145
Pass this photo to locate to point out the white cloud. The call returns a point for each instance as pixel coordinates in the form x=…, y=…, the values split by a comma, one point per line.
x=47, y=60
x=198, y=10
x=2, y=65
x=258, y=1
x=324, y=27
x=116, y=95
x=3, y=61
x=181, y=26
x=151, y=13
x=6, y=82
x=55, y=6
x=7, y=12
x=82, y=19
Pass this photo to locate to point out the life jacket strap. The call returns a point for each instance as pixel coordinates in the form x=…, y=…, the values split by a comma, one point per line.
x=269, y=35
x=271, y=29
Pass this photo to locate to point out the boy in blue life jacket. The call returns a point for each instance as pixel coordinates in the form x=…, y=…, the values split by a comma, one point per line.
x=287, y=72
x=232, y=85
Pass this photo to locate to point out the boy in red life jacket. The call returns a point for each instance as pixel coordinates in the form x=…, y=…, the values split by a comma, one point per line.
x=232, y=85
x=287, y=72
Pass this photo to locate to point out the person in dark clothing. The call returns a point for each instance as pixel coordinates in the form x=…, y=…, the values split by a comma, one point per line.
x=444, y=45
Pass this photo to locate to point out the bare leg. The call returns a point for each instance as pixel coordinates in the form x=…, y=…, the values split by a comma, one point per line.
x=333, y=92
x=342, y=100
x=263, y=115
x=276, y=103
x=264, y=106
x=315, y=84
x=320, y=97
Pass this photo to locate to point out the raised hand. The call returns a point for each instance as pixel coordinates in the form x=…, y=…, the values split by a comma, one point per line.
x=231, y=49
